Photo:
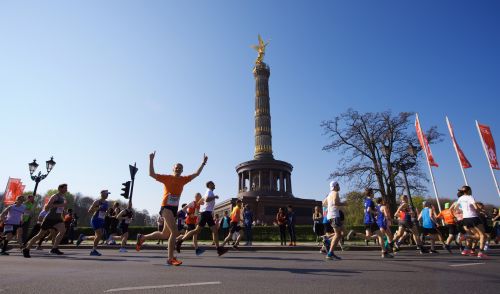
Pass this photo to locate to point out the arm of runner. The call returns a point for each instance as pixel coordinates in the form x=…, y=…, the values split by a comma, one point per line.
x=4, y=212
x=93, y=207
x=120, y=215
x=419, y=216
x=198, y=172
x=151, y=165
x=50, y=203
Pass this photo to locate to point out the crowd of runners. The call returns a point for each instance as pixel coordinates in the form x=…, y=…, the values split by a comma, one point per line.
x=464, y=220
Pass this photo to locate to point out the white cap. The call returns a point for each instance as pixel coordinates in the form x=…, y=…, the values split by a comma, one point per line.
x=333, y=184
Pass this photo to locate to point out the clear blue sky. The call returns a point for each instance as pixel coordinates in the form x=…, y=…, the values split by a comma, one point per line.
x=100, y=84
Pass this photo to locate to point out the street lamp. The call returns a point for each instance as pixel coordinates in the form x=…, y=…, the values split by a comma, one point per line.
x=38, y=178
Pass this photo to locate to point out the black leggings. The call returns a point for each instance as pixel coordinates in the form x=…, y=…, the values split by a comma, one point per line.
x=291, y=231
x=283, y=234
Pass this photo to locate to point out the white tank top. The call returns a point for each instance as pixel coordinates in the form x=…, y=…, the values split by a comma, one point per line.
x=333, y=211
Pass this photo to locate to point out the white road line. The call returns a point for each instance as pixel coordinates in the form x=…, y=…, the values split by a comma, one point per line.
x=467, y=264
x=162, y=286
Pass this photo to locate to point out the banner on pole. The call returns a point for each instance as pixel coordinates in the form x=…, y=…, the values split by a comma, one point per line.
x=14, y=189
x=489, y=144
x=424, y=143
x=463, y=160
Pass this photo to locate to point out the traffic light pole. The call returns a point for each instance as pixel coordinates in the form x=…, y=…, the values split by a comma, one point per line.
x=133, y=171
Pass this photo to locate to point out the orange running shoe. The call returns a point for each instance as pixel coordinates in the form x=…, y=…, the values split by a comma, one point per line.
x=174, y=261
x=139, y=243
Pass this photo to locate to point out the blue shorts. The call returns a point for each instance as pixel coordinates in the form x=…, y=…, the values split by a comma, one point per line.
x=97, y=223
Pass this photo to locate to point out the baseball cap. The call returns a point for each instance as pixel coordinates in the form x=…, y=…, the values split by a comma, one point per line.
x=105, y=192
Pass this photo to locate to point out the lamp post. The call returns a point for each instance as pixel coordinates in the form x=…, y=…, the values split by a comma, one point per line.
x=38, y=178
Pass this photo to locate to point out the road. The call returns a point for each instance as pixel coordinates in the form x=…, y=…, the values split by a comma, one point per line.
x=247, y=272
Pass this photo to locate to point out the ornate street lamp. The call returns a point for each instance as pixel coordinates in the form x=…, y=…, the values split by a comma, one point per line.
x=38, y=178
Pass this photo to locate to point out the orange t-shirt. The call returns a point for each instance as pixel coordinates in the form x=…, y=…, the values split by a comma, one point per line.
x=448, y=216
x=235, y=215
x=172, y=188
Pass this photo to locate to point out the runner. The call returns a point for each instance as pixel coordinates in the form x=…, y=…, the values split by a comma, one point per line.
x=54, y=219
x=112, y=223
x=449, y=219
x=192, y=211
x=125, y=217
x=332, y=202
x=383, y=224
x=28, y=213
x=206, y=217
x=173, y=186
x=12, y=217
x=98, y=210
x=369, y=212
x=406, y=223
x=235, y=225
x=471, y=221
x=429, y=225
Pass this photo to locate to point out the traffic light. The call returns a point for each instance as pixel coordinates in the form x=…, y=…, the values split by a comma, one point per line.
x=126, y=189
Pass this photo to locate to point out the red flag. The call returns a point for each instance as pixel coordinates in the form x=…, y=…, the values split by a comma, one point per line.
x=463, y=160
x=424, y=143
x=489, y=145
x=14, y=189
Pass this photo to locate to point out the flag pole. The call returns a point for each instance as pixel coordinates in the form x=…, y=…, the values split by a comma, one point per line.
x=487, y=158
x=456, y=151
x=430, y=170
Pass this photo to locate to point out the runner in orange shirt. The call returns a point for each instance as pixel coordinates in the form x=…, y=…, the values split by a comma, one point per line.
x=172, y=190
x=235, y=224
x=193, y=210
x=449, y=219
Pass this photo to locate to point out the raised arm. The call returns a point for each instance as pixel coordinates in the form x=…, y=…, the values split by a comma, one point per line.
x=198, y=172
x=151, y=165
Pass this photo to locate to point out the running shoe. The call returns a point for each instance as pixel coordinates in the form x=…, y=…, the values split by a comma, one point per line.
x=113, y=242
x=199, y=251
x=482, y=255
x=423, y=251
x=39, y=248
x=387, y=255
x=80, y=240
x=178, y=245
x=448, y=248
x=349, y=235
x=235, y=247
x=56, y=251
x=174, y=262
x=26, y=253
x=139, y=243
x=221, y=250
x=332, y=256
x=123, y=250
x=465, y=252
x=322, y=251
x=95, y=253
x=433, y=251
x=472, y=253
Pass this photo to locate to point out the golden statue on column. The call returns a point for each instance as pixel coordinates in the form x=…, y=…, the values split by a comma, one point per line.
x=261, y=49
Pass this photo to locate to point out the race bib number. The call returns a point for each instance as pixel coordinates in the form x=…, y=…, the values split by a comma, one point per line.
x=8, y=228
x=173, y=200
x=59, y=209
x=102, y=214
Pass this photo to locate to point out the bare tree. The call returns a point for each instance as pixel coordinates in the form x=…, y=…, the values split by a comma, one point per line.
x=372, y=145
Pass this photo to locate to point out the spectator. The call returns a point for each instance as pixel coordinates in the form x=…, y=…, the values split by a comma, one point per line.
x=281, y=221
x=318, y=223
x=224, y=224
x=291, y=226
x=72, y=227
x=247, y=221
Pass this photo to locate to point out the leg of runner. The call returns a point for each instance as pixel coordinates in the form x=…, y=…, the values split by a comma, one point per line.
x=7, y=237
x=61, y=230
x=41, y=234
x=171, y=226
x=97, y=239
x=163, y=235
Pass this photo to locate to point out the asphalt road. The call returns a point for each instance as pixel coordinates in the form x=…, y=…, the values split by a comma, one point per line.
x=247, y=272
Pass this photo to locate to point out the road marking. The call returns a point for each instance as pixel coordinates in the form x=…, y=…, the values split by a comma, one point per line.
x=162, y=286
x=467, y=264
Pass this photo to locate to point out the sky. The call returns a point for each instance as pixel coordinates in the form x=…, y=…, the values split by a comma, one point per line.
x=101, y=84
